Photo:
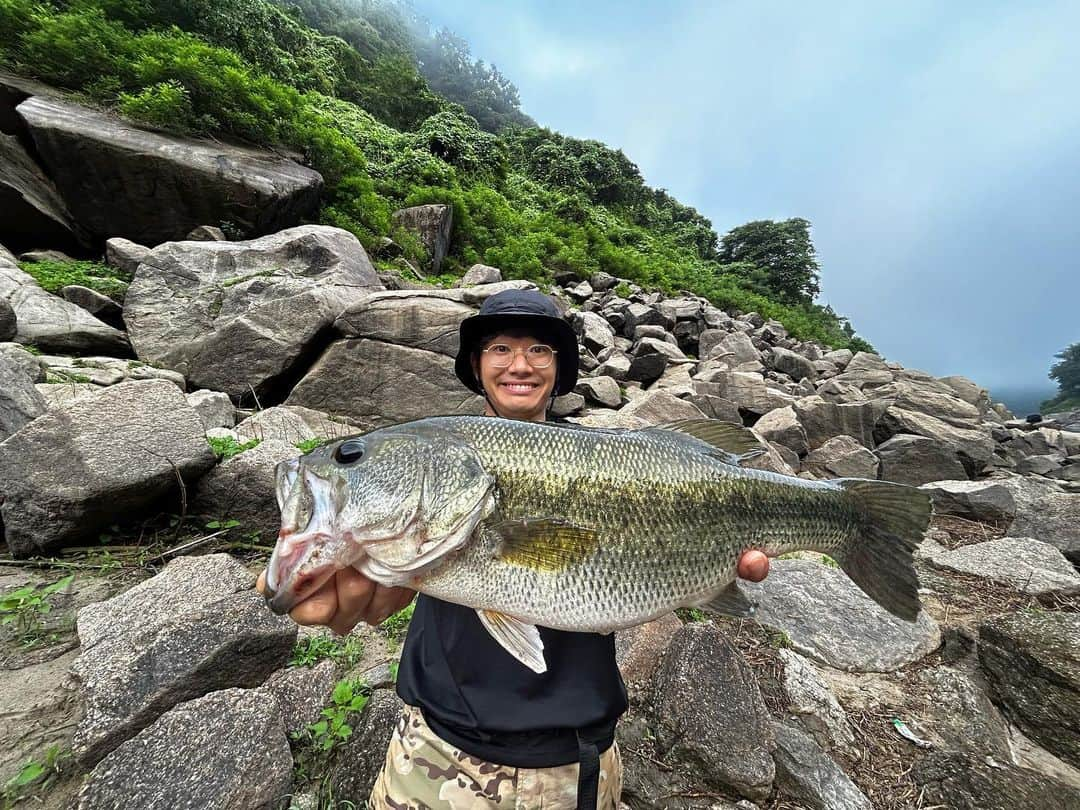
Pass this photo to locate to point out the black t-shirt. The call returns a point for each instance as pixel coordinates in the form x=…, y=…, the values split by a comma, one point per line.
x=479, y=698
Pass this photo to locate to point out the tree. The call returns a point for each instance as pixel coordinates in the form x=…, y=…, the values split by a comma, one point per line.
x=1067, y=372
x=782, y=250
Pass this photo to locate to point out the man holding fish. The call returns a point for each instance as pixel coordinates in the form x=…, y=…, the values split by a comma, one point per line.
x=530, y=544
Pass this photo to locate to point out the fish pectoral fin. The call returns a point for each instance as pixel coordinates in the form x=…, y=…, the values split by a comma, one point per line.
x=731, y=602
x=519, y=639
x=545, y=544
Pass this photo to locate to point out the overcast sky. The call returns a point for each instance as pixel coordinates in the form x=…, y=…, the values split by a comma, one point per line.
x=935, y=147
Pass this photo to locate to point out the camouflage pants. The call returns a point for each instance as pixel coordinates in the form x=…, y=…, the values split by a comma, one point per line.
x=422, y=772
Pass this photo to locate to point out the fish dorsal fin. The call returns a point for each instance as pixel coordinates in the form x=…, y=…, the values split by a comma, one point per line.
x=519, y=639
x=735, y=442
x=731, y=602
x=545, y=544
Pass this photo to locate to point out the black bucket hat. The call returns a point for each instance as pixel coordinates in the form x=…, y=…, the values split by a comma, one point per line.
x=519, y=309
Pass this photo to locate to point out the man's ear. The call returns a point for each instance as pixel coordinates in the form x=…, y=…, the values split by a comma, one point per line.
x=475, y=362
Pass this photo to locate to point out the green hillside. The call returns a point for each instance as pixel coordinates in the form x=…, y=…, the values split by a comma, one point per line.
x=393, y=114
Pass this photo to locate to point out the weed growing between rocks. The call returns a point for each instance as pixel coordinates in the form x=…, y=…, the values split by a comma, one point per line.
x=396, y=626
x=345, y=652
x=314, y=747
x=26, y=607
x=225, y=447
x=34, y=778
x=954, y=532
x=54, y=276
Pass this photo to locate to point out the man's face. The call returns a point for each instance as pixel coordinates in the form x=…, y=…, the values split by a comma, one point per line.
x=518, y=390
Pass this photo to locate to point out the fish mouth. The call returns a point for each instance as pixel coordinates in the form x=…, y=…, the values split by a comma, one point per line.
x=293, y=575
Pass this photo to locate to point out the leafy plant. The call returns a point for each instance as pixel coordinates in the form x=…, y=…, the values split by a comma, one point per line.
x=307, y=445
x=34, y=774
x=349, y=698
x=25, y=607
x=311, y=650
x=54, y=275
x=225, y=447
x=395, y=626
x=223, y=523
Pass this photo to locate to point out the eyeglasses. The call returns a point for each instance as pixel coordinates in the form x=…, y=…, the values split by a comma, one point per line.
x=539, y=355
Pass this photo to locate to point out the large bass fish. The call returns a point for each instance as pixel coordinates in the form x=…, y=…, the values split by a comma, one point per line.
x=575, y=528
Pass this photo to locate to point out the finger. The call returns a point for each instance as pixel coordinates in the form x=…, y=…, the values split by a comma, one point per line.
x=754, y=566
x=387, y=602
x=354, y=592
x=319, y=608
x=260, y=583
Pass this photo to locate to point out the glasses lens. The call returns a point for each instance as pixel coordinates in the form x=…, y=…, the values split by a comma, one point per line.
x=539, y=355
x=501, y=355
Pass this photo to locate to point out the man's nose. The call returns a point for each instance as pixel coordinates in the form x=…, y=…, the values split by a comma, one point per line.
x=519, y=363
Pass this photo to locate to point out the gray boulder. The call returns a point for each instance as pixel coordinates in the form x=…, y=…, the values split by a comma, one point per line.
x=240, y=316
x=16, y=356
x=206, y=233
x=1032, y=663
x=34, y=214
x=68, y=474
x=803, y=771
x=917, y=460
x=1023, y=563
x=362, y=756
x=374, y=383
x=930, y=399
x=601, y=390
x=242, y=488
x=782, y=426
x=196, y=627
x=118, y=180
x=841, y=457
x=225, y=751
x=960, y=717
x=51, y=323
x=293, y=424
x=1046, y=512
x=823, y=420
x=788, y=362
x=595, y=332
x=825, y=616
x=100, y=306
x=432, y=224
x=813, y=705
x=125, y=255
x=214, y=408
x=480, y=274
x=302, y=692
x=20, y=401
x=962, y=781
x=982, y=501
x=750, y=393
x=709, y=713
x=973, y=445
x=8, y=326
x=839, y=357
x=424, y=320
x=655, y=407
x=639, y=650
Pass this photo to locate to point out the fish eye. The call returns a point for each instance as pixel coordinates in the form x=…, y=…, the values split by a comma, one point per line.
x=349, y=452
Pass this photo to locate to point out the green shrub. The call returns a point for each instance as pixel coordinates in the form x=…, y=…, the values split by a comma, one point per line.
x=166, y=105
x=225, y=447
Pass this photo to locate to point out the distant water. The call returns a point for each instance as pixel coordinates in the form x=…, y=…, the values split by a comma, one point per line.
x=1025, y=399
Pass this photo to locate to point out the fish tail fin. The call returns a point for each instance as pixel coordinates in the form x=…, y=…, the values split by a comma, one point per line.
x=893, y=518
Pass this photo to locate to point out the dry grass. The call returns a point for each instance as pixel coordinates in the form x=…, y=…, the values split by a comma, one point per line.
x=964, y=532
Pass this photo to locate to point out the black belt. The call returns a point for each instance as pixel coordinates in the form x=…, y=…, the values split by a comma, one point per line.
x=588, y=774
